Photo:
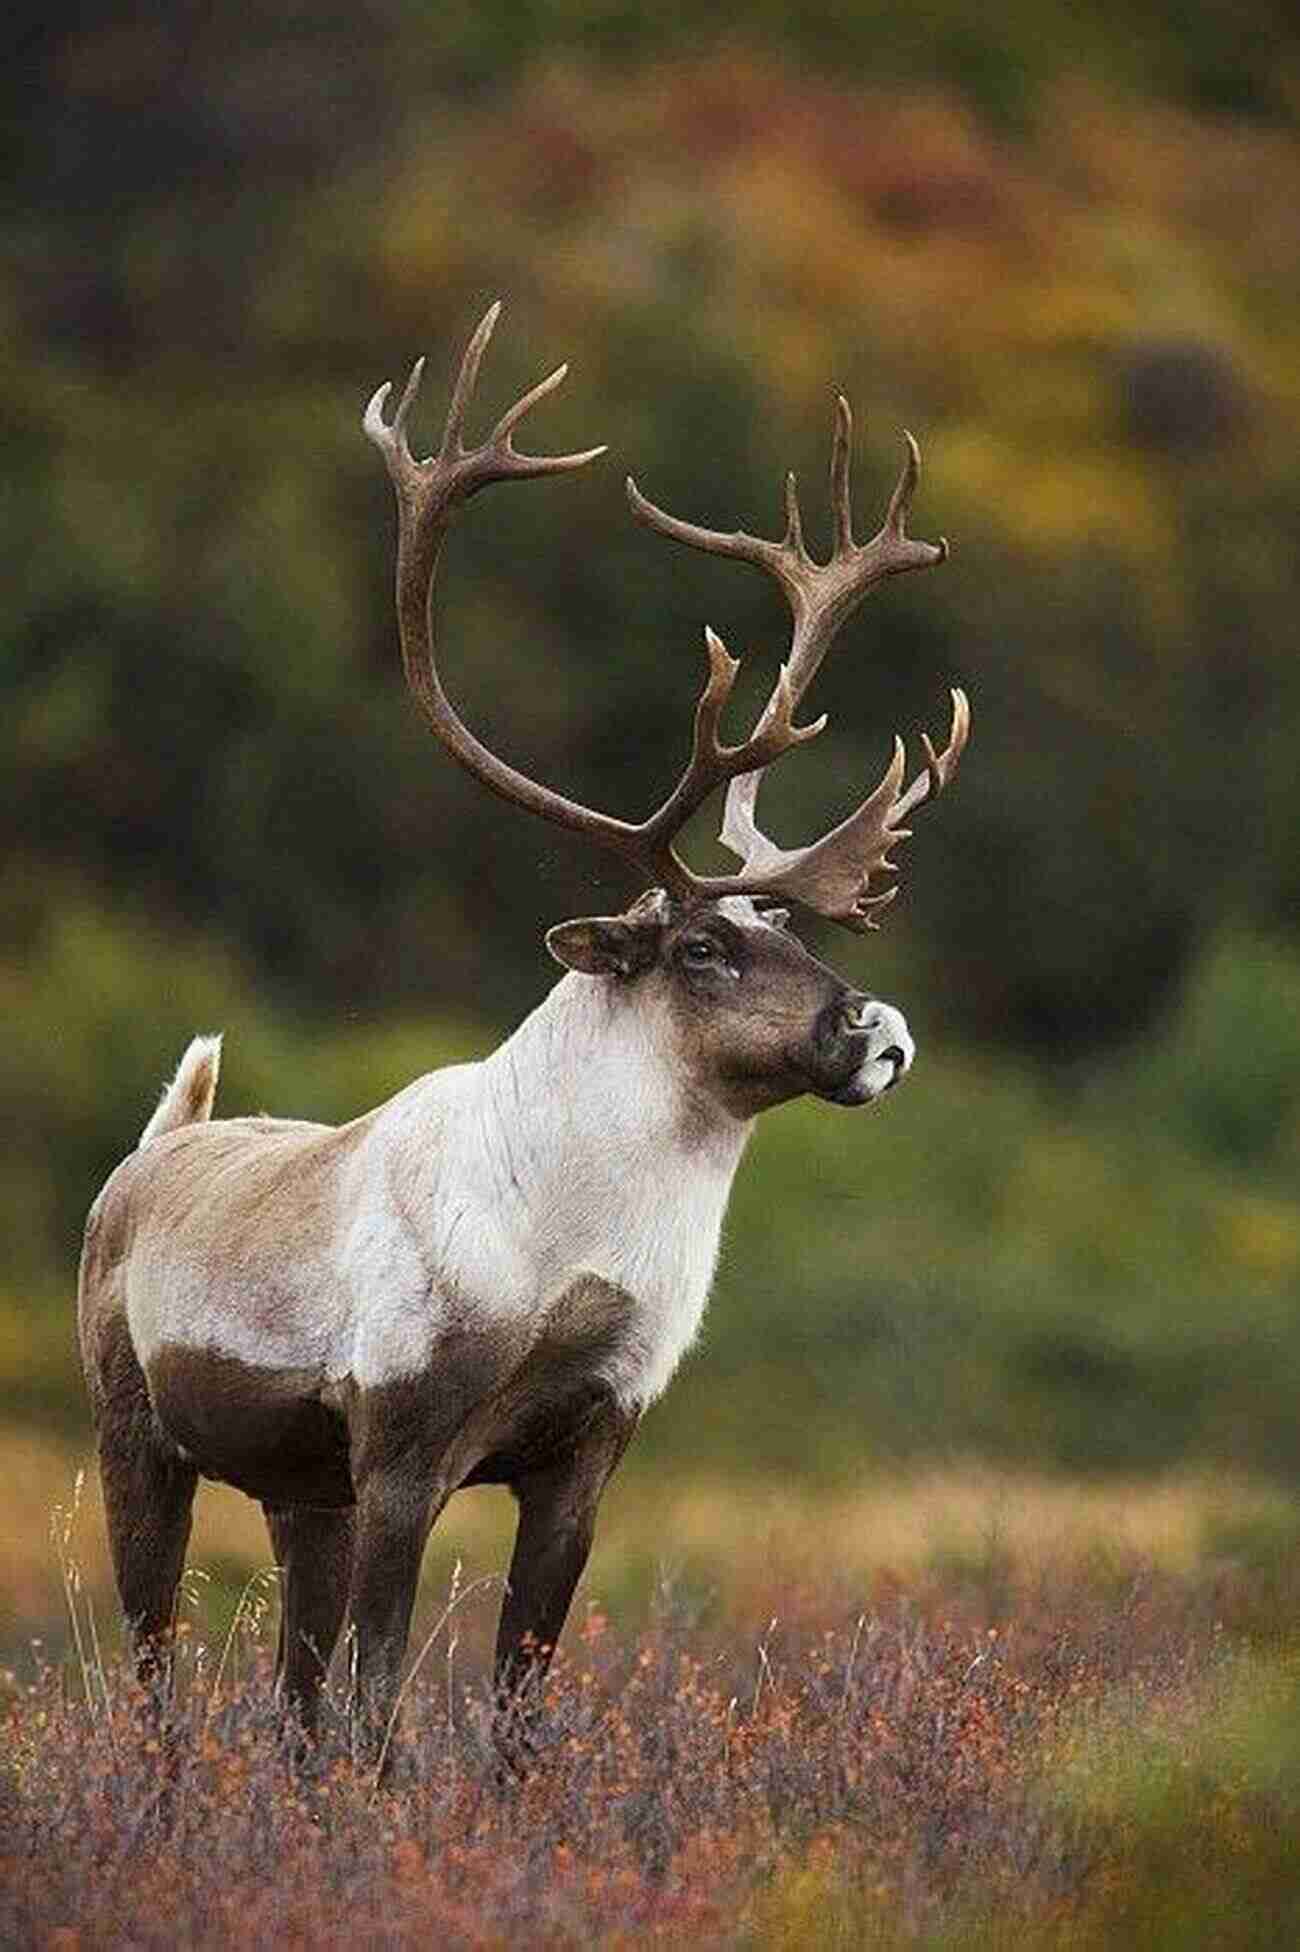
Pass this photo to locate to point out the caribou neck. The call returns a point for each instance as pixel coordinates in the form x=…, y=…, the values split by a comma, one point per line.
x=590, y=1089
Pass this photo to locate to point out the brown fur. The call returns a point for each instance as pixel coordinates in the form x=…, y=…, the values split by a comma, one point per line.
x=278, y=1434
x=148, y=1496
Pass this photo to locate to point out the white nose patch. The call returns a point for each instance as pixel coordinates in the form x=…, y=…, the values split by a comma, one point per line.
x=888, y=1032
x=890, y=1051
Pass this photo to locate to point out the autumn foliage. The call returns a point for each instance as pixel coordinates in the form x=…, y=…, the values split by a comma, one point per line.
x=952, y=1760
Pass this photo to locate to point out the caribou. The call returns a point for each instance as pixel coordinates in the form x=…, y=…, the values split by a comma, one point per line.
x=488, y=1278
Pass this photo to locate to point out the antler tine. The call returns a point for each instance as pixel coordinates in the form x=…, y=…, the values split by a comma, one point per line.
x=898, y=551
x=390, y=436
x=841, y=452
x=939, y=767
x=793, y=538
x=712, y=700
x=501, y=440
x=462, y=391
x=502, y=434
x=715, y=542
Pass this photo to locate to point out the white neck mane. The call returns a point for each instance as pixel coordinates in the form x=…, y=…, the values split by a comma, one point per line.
x=606, y=1164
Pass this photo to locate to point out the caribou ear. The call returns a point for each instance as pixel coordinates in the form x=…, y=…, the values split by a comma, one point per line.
x=614, y=945
x=606, y=945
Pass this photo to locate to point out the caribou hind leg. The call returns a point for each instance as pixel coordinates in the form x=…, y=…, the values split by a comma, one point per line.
x=313, y=1550
x=148, y=1502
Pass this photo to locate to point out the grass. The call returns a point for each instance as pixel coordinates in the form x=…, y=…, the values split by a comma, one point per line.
x=1084, y=1752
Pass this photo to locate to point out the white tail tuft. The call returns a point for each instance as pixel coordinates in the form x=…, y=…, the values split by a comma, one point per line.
x=187, y=1100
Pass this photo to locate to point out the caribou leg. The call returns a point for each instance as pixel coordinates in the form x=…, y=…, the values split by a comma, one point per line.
x=558, y=1501
x=313, y=1550
x=396, y=1511
x=148, y=1502
x=148, y=1499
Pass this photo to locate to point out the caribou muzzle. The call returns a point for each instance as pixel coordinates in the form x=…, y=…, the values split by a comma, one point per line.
x=863, y=1048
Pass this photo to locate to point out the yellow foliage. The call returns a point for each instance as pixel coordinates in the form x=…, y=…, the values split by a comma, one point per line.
x=806, y=1905
x=417, y=240
x=1261, y=1236
x=1051, y=497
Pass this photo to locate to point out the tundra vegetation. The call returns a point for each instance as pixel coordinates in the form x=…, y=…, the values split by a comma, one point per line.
x=1083, y=1754
x=1054, y=1296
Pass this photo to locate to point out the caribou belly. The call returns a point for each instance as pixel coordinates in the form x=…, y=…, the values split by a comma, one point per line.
x=277, y=1434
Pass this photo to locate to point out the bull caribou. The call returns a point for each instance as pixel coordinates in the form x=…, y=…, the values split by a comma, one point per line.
x=488, y=1278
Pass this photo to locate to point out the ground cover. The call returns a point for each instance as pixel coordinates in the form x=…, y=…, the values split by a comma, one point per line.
x=1083, y=1747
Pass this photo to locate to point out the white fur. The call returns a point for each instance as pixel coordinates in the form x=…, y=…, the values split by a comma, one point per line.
x=566, y=1154
x=196, y=1074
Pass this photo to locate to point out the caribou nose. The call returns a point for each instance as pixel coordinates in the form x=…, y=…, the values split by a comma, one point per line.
x=861, y=1014
x=884, y=1027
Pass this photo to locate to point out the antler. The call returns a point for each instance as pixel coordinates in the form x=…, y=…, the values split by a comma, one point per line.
x=831, y=875
x=427, y=494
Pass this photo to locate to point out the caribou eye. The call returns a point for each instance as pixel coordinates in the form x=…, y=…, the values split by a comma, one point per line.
x=699, y=950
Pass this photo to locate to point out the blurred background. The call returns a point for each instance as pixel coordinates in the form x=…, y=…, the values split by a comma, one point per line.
x=1061, y=242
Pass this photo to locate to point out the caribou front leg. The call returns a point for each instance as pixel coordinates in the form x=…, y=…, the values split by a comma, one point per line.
x=558, y=1501
x=397, y=1506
